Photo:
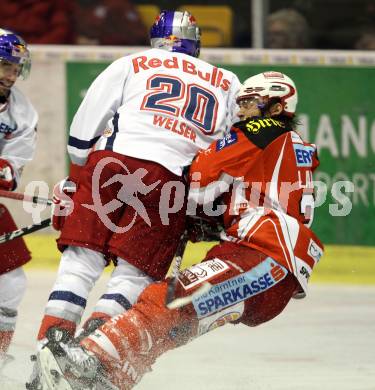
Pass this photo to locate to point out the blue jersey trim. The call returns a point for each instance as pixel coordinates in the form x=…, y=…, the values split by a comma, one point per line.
x=111, y=139
x=82, y=144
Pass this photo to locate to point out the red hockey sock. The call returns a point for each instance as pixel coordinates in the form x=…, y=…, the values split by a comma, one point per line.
x=5, y=339
x=51, y=321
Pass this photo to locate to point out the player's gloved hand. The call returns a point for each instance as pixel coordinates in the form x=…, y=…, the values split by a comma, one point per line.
x=7, y=181
x=62, y=203
x=203, y=228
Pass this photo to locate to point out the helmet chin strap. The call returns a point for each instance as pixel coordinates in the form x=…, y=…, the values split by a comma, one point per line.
x=4, y=97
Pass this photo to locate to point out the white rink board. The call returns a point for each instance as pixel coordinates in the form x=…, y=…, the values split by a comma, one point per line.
x=326, y=342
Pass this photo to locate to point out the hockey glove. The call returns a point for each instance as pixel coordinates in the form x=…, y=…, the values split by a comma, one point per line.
x=7, y=181
x=62, y=203
x=203, y=229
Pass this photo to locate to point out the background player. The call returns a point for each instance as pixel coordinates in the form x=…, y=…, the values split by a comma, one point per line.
x=265, y=258
x=141, y=122
x=18, y=121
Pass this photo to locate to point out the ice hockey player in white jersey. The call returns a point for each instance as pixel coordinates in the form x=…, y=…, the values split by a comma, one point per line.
x=264, y=258
x=141, y=123
x=18, y=120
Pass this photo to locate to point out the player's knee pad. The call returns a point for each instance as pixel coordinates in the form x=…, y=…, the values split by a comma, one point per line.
x=269, y=304
x=249, y=289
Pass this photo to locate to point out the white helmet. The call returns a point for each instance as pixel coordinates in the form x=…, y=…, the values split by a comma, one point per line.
x=271, y=85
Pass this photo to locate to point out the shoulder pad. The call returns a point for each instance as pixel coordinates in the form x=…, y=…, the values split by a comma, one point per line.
x=262, y=131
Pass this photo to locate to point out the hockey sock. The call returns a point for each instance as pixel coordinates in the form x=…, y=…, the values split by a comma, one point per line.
x=5, y=339
x=55, y=322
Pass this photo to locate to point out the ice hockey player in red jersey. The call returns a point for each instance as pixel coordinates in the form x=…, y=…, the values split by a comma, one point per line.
x=260, y=176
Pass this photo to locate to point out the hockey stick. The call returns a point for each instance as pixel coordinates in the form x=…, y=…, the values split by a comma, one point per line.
x=25, y=230
x=24, y=197
x=183, y=301
x=170, y=301
x=172, y=282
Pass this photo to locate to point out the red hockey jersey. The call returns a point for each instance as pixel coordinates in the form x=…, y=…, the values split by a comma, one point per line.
x=263, y=172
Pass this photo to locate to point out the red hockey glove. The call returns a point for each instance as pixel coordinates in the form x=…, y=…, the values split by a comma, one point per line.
x=62, y=203
x=203, y=229
x=7, y=181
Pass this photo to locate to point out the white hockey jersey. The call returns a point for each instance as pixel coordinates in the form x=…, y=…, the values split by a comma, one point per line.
x=18, y=121
x=157, y=106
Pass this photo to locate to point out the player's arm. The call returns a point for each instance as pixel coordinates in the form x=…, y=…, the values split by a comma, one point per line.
x=232, y=106
x=18, y=150
x=99, y=105
x=213, y=170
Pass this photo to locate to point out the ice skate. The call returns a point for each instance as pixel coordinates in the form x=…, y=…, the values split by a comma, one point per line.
x=54, y=339
x=77, y=369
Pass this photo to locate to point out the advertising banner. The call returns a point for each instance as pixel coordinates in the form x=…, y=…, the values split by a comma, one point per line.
x=337, y=112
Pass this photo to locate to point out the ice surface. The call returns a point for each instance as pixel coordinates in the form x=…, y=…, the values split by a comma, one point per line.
x=325, y=342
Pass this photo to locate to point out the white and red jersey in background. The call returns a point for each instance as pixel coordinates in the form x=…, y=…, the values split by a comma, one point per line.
x=269, y=205
x=157, y=106
x=18, y=121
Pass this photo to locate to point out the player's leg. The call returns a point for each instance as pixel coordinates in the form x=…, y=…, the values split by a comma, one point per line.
x=148, y=241
x=271, y=285
x=92, y=367
x=126, y=346
x=123, y=289
x=83, y=241
x=79, y=269
x=12, y=289
x=13, y=255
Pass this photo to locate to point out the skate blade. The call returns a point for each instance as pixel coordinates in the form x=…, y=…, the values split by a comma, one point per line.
x=52, y=377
